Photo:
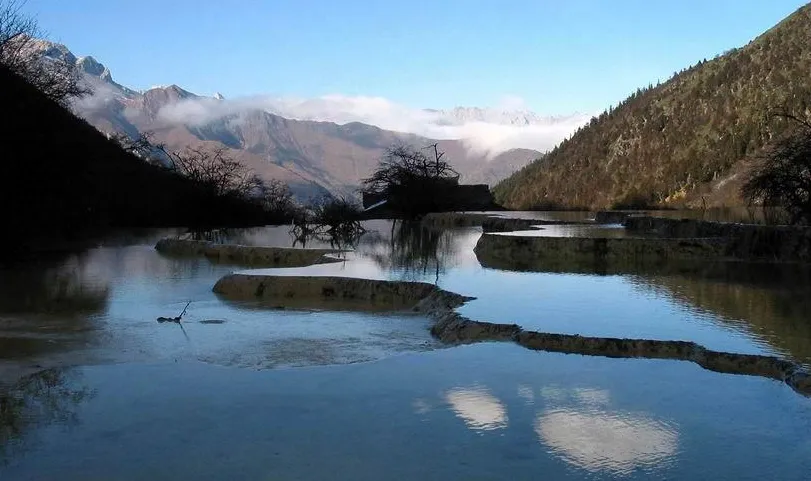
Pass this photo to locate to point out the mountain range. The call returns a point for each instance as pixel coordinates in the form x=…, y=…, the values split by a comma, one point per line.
x=690, y=141
x=310, y=155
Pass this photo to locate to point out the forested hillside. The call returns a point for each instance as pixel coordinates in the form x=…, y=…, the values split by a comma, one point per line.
x=683, y=140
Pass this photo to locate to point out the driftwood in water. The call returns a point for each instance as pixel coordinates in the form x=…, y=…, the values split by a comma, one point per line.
x=174, y=319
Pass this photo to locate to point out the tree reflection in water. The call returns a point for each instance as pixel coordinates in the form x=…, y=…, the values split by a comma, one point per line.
x=407, y=248
x=64, y=287
x=412, y=249
x=769, y=301
x=51, y=306
x=48, y=397
x=344, y=236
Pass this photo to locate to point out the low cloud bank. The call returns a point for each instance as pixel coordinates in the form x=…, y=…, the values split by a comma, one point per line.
x=486, y=131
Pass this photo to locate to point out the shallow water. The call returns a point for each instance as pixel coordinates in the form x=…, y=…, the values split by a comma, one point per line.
x=747, y=308
x=611, y=231
x=487, y=411
x=180, y=403
x=101, y=306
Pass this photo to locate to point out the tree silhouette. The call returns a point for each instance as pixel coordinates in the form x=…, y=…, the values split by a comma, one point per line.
x=58, y=80
x=411, y=181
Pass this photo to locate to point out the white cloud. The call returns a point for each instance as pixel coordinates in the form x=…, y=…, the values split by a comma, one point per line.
x=102, y=94
x=489, y=131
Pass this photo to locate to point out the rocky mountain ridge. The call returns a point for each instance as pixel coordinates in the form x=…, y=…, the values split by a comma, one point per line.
x=313, y=157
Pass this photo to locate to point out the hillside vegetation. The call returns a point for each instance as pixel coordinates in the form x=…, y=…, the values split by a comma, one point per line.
x=60, y=175
x=683, y=141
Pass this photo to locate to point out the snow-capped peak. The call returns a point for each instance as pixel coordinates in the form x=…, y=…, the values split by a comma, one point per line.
x=90, y=66
x=466, y=115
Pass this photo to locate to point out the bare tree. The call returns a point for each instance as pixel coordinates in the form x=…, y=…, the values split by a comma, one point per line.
x=333, y=213
x=783, y=178
x=218, y=171
x=19, y=52
x=403, y=165
x=411, y=182
x=277, y=198
x=336, y=220
x=145, y=147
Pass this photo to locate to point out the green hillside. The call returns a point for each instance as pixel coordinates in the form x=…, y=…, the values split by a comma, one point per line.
x=683, y=140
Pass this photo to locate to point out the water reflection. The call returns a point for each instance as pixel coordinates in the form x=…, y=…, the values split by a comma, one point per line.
x=745, y=215
x=343, y=236
x=398, y=250
x=770, y=302
x=526, y=393
x=49, y=307
x=48, y=397
x=615, y=231
x=578, y=425
x=65, y=286
x=272, y=236
x=641, y=420
x=478, y=408
x=412, y=249
x=589, y=435
x=766, y=303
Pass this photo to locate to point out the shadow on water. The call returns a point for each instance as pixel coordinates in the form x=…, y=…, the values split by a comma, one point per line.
x=50, y=306
x=62, y=286
x=54, y=302
x=46, y=398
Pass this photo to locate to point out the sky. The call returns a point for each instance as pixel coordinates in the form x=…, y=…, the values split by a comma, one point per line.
x=554, y=57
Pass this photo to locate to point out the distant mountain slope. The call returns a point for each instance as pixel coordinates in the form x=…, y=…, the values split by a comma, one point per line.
x=313, y=157
x=686, y=138
x=61, y=175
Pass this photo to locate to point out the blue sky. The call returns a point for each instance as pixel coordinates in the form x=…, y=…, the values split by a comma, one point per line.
x=558, y=56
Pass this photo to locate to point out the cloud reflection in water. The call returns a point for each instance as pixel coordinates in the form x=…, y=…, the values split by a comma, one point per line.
x=480, y=410
x=589, y=435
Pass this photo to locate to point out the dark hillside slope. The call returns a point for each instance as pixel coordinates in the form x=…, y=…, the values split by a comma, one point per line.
x=60, y=175
x=681, y=140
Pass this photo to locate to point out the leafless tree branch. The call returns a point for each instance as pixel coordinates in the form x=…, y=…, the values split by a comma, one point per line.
x=57, y=79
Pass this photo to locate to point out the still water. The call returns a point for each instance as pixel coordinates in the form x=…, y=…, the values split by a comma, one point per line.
x=247, y=393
